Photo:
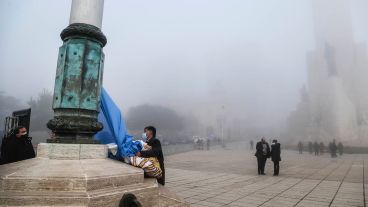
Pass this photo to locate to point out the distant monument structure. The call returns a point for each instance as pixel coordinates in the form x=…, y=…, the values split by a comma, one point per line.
x=335, y=102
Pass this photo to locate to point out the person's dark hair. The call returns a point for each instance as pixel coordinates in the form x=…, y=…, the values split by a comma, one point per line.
x=152, y=129
x=16, y=129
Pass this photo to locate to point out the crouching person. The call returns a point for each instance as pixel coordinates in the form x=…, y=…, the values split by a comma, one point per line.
x=152, y=152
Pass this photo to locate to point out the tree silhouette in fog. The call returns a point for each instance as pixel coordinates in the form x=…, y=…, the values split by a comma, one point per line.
x=164, y=119
x=41, y=110
x=8, y=104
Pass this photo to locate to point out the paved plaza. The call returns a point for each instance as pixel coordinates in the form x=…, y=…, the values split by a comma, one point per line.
x=228, y=177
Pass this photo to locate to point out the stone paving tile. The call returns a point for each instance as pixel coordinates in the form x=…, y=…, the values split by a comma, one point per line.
x=206, y=203
x=284, y=202
x=311, y=203
x=300, y=190
x=305, y=180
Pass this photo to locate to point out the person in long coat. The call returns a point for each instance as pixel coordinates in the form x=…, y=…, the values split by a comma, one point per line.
x=300, y=147
x=262, y=153
x=276, y=156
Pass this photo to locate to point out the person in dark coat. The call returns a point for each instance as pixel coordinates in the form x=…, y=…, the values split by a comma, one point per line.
x=310, y=147
x=262, y=153
x=275, y=156
x=156, y=151
x=321, y=148
x=251, y=143
x=333, y=148
x=208, y=143
x=300, y=147
x=17, y=146
x=316, y=148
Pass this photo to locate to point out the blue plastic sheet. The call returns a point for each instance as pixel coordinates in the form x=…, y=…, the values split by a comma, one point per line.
x=114, y=128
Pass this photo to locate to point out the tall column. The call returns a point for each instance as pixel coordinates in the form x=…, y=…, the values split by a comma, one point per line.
x=79, y=75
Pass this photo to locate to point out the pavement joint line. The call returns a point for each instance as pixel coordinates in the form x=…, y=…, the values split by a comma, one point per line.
x=301, y=180
x=341, y=184
x=195, y=186
x=214, y=176
x=256, y=191
x=250, y=179
x=188, y=183
x=318, y=184
x=347, y=172
x=282, y=180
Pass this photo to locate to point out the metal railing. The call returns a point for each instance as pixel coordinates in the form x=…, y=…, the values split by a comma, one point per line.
x=10, y=123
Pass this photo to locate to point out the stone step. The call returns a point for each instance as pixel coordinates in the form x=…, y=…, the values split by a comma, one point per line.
x=147, y=194
x=68, y=175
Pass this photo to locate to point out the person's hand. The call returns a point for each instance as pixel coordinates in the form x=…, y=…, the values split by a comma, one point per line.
x=138, y=154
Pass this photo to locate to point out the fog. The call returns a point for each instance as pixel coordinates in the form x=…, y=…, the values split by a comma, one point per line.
x=245, y=60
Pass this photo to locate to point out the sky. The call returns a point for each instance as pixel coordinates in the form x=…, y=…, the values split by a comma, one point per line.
x=249, y=56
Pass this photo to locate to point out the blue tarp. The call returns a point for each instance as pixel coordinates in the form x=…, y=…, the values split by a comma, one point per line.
x=114, y=128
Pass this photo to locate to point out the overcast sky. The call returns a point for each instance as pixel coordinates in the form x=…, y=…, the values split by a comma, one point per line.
x=249, y=55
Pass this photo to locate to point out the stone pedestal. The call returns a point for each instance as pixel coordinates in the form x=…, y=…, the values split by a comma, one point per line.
x=76, y=175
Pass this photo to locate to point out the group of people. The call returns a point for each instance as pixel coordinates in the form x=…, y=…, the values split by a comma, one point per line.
x=17, y=146
x=199, y=143
x=264, y=151
x=319, y=148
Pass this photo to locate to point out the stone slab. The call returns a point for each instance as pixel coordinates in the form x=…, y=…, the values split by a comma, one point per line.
x=71, y=151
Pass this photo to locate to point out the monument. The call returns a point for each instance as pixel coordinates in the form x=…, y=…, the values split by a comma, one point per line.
x=335, y=101
x=79, y=75
x=72, y=169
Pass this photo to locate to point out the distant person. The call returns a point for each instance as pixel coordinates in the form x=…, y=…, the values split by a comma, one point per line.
x=300, y=147
x=340, y=148
x=208, y=143
x=262, y=153
x=333, y=148
x=321, y=148
x=17, y=146
x=316, y=148
x=275, y=156
x=201, y=144
x=310, y=147
x=251, y=143
x=155, y=151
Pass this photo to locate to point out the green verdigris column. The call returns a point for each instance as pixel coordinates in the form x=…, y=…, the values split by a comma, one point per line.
x=78, y=84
